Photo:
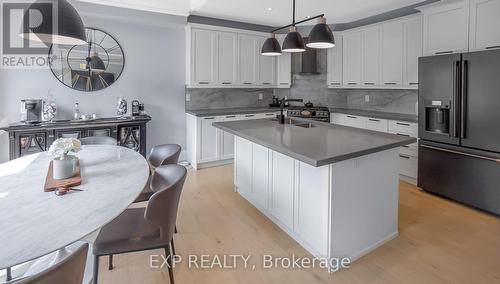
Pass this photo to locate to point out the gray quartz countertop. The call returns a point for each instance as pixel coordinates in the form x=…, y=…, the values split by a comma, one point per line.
x=318, y=146
x=227, y=111
x=377, y=114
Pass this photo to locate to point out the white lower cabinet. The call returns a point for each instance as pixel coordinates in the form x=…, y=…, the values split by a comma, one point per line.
x=282, y=187
x=243, y=167
x=209, y=146
x=260, y=175
x=408, y=159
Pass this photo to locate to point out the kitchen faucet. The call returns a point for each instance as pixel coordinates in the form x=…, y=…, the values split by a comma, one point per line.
x=281, y=116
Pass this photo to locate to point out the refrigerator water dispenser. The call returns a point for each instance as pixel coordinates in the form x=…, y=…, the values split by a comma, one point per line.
x=437, y=116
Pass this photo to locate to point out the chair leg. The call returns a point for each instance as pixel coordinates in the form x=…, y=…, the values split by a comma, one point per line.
x=173, y=247
x=110, y=262
x=169, y=256
x=96, y=269
x=9, y=274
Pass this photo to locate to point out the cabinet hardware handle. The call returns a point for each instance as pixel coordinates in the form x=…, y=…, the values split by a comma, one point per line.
x=413, y=83
x=405, y=135
x=249, y=115
x=370, y=84
x=376, y=120
x=226, y=83
x=336, y=84
x=266, y=83
x=404, y=156
x=203, y=83
x=352, y=83
x=492, y=47
x=283, y=83
x=247, y=83
x=352, y=116
x=231, y=116
x=269, y=114
x=444, y=52
x=207, y=118
x=404, y=124
x=461, y=153
x=390, y=83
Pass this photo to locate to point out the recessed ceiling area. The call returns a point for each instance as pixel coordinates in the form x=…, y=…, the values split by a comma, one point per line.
x=265, y=12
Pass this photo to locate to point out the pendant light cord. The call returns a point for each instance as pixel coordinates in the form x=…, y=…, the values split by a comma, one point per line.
x=293, y=17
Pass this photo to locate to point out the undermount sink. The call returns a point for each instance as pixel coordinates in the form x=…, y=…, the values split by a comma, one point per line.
x=306, y=125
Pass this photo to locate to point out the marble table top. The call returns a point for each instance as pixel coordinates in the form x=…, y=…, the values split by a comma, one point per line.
x=34, y=223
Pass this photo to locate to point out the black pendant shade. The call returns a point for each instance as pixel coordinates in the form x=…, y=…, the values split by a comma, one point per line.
x=321, y=36
x=293, y=42
x=40, y=27
x=95, y=63
x=271, y=47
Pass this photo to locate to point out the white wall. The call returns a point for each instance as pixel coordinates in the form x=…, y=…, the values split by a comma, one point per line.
x=154, y=74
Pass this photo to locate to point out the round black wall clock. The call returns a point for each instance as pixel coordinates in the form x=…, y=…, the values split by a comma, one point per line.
x=90, y=67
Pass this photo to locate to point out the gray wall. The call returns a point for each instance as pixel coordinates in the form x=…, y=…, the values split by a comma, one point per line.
x=154, y=74
x=227, y=98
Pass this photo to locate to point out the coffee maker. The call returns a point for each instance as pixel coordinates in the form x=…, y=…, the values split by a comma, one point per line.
x=34, y=110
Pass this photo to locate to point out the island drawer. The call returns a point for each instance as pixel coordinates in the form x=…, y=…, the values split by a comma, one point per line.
x=408, y=165
x=403, y=127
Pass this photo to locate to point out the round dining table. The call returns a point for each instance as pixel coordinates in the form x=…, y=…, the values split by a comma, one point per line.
x=34, y=223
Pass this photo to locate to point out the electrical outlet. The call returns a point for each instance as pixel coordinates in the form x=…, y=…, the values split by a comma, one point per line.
x=367, y=99
x=261, y=96
x=188, y=97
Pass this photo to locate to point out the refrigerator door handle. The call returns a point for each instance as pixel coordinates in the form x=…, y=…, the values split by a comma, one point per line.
x=463, y=99
x=461, y=153
x=456, y=97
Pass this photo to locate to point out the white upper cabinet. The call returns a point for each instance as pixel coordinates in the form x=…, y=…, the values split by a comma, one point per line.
x=352, y=59
x=284, y=77
x=226, y=58
x=248, y=60
x=203, y=53
x=484, y=24
x=412, y=50
x=334, y=64
x=370, y=66
x=266, y=65
x=392, y=54
x=446, y=27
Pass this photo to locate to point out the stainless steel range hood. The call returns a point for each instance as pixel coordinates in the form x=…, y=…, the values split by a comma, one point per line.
x=309, y=61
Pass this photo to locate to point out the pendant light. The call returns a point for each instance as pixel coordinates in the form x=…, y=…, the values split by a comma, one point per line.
x=69, y=29
x=321, y=35
x=271, y=46
x=293, y=41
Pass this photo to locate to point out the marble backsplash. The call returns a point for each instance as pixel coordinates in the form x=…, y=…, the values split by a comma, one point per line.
x=227, y=98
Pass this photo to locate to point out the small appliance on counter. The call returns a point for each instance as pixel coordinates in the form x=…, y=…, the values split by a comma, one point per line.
x=34, y=111
x=136, y=108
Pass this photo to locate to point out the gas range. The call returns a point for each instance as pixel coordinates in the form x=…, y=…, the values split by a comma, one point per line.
x=314, y=113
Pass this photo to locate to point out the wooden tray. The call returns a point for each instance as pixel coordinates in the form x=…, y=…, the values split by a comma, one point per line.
x=52, y=184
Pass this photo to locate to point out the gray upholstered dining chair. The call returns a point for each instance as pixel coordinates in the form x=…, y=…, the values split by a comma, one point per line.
x=98, y=140
x=167, y=154
x=139, y=229
x=69, y=271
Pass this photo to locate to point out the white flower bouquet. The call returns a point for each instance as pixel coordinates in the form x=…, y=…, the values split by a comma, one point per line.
x=64, y=146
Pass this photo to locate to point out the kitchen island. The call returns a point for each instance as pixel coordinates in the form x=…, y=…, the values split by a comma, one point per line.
x=332, y=188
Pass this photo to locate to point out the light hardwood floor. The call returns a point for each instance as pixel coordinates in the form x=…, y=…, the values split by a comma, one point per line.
x=439, y=242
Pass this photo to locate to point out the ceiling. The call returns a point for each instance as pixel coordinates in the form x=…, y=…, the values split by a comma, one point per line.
x=265, y=12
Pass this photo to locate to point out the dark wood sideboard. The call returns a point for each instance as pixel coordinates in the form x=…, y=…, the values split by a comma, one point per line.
x=27, y=139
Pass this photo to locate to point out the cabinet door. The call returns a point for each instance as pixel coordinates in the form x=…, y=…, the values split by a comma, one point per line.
x=371, y=56
x=282, y=190
x=227, y=139
x=355, y=121
x=446, y=29
x=484, y=24
x=284, y=66
x=243, y=167
x=203, y=57
x=352, y=60
x=260, y=175
x=267, y=66
x=338, y=118
x=392, y=54
x=248, y=60
x=209, y=140
x=335, y=63
x=226, y=58
x=412, y=51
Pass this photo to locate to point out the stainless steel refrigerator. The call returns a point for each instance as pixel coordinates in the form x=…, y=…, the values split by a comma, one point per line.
x=459, y=128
